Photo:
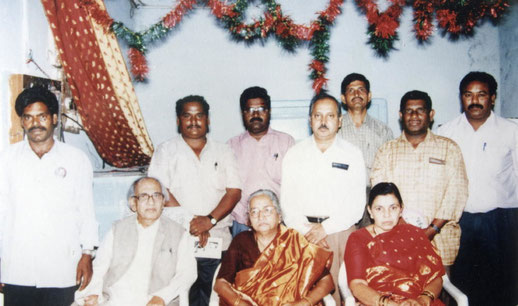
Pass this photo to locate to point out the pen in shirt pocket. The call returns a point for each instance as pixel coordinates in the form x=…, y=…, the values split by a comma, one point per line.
x=484, y=146
x=216, y=166
x=276, y=155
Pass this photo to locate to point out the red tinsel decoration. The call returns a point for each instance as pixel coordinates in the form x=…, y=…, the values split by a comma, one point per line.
x=220, y=9
x=175, y=16
x=319, y=83
x=99, y=15
x=317, y=66
x=138, y=61
x=423, y=11
x=387, y=22
x=448, y=20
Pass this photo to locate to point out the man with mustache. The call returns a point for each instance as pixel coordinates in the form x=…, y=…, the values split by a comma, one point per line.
x=259, y=152
x=323, y=183
x=487, y=266
x=429, y=171
x=201, y=176
x=48, y=229
x=358, y=127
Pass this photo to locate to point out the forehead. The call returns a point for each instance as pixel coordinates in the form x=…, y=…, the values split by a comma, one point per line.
x=260, y=201
x=192, y=107
x=36, y=108
x=325, y=105
x=356, y=83
x=147, y=185
x=415, y=104
x=385, y=200
x=255, y=102
x=477, y=86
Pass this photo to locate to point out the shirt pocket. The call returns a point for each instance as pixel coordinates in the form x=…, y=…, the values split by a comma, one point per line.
x=217, y=176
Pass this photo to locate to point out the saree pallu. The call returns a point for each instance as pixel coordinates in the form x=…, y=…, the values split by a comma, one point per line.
x=401, y=262
x=285, y=271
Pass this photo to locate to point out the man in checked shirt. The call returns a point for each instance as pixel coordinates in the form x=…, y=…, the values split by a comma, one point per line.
x=429, y=171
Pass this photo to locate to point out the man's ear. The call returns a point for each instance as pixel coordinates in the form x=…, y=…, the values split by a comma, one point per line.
x=54, y=119
x=133, y=204
x=432, y=113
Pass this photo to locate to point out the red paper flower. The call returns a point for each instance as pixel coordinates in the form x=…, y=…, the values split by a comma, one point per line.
x=139, y=67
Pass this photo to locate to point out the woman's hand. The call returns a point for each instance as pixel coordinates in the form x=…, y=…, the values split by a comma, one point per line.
x=411, y=302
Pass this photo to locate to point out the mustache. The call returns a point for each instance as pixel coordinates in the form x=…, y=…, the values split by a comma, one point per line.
x=256, y=119
x=323, y=126
x=37, y=128
x=194, y=126
x=472, y=106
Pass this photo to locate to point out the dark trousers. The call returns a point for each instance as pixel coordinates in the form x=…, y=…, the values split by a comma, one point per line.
x=31, y=296
x=486, y=268
x=199, y=294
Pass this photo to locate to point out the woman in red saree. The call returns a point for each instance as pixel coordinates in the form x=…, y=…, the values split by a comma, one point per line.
x=272, y=265
x=388, y=263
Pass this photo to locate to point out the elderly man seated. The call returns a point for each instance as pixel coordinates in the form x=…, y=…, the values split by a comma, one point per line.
x=145, y=258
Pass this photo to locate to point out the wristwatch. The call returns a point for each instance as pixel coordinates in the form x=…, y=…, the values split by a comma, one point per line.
x=213, y=220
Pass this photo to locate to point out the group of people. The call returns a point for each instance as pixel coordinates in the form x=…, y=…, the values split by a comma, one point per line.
x=283, y=217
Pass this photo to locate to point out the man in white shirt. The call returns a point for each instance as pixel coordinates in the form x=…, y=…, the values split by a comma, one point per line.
x=201, y=175
x=486, y=268
x=323, y=183
x=47, y=223
x=145, y=259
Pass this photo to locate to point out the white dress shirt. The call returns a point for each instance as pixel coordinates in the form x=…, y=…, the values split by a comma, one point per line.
x=132, y=287
x=46, y=214
x=491, y=158
x=197, y=184
x=330, y=183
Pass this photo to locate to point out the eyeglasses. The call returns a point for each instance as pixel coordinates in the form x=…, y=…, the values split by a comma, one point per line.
x=266, y=211
x=260, y=109
x=419, y=111
x=144, y=197
x=41, y=118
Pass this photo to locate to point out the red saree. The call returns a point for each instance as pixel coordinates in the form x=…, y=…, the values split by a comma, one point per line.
x=285, y=271
x=400, y=262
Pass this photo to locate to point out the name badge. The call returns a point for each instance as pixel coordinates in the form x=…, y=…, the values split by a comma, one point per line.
x=340, y=166
x=436, y=161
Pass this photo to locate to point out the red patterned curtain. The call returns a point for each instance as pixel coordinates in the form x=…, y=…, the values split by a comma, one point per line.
x=100, y=83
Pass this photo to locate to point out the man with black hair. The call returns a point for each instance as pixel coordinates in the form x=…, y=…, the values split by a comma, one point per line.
x=201, y=176
x=358, y=127
x=487, y=266
x=259, y=151
x=47, y=223
x=323, y=183
x=429, y=171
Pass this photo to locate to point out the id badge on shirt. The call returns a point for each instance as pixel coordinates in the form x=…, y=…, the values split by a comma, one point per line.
x=212, y=249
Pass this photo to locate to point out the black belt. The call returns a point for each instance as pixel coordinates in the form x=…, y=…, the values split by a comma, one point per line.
x=316, y=219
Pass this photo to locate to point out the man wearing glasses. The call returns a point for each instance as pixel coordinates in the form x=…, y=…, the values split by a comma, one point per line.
x=47, y=223
x=259, y=152
x=429, y=171
x=145, y=259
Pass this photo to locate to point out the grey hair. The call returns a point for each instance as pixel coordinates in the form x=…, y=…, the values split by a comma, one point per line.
x=131, y=190
x=271, y=195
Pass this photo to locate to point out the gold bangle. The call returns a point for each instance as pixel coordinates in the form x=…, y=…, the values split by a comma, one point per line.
x=307, y=300
x=428, y=294
x=382, y=301
x=238, y=300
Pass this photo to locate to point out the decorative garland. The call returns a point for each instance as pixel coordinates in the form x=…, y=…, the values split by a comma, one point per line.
x=457, y=17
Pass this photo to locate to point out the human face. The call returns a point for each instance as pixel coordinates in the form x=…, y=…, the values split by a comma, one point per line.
x=324, y=119
x=148, y=201
x=356, y=96
x=386, y=211
x=193, y=123
x=38, y=123
x=416, y=118
x=476, y=101
x=264, y=218
x=256, y=116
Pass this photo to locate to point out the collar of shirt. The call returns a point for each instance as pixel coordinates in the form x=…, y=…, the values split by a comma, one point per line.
x=53, y=151
x=329, y=149
x=265, y=137
x=430, y=137
x=184, y=146
x=348, y=121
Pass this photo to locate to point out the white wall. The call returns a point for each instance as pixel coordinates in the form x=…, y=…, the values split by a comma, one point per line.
x=509, y=62
x=199, y=57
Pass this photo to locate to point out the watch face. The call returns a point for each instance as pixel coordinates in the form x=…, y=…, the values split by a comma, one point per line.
x=213, y=221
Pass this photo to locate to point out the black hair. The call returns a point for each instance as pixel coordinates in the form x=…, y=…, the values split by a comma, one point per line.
x=482, y=77
x=324, y=95
x=384, y=188
x=355, y=77
x=192, y=98
x=416, y=95
x=252, y=93
x=36, y=94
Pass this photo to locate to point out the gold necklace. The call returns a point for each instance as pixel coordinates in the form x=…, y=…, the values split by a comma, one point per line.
x=374, y=230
